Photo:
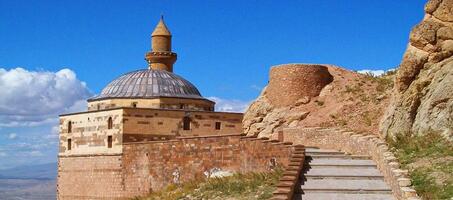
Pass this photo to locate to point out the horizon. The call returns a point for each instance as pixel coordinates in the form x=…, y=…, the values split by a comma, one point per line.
x=57, y=54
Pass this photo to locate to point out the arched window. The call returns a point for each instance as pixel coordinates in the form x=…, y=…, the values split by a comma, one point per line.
x=186, y=123
x=110, y=123
x=69, y=127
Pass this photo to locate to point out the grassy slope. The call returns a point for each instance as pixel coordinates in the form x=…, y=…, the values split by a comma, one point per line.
x=429, y=160
x=253, y=186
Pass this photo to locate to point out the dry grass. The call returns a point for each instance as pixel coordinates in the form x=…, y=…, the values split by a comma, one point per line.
x=253, y=186
x=429, y=159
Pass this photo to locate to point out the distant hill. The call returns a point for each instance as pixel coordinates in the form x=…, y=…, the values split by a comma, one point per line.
x=42, y=171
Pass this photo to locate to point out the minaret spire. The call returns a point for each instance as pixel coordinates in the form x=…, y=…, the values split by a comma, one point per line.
x=161, y=57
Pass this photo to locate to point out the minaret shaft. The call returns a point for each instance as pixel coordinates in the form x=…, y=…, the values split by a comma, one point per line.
x=161, y=57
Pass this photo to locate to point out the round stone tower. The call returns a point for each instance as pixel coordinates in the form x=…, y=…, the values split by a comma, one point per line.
x=290, y=82
x=161, y=57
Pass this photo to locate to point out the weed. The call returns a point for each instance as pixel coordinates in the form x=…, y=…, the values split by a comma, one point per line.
x=252, y=185
x=433, y=149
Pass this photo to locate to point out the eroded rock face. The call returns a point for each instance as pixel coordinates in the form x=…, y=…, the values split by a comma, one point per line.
x=423, y=95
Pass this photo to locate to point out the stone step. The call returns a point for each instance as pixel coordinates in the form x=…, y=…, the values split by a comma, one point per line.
x=351, y=166
x=312, y=150
x=324, y=153
x=343, y=156
x=348, y=177
x=345, y=184
x=343, y=171
x=348, y=191
x=333, y=161
x=331, y=175
x=342, y=196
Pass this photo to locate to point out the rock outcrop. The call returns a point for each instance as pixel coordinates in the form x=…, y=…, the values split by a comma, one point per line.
x=288, y=84
x=423, y=94
x=306, y=95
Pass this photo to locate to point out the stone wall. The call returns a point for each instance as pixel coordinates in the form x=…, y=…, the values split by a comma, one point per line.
x=146, y=124
x=153, y=165
x=148, y=166
x=89, y=130
x=89, y=133
x=290, y=82
x=157, y=103
x=90, y=177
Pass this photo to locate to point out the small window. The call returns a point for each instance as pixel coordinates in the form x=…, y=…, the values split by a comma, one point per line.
x=186, y=123
x=69, y=127
x=218, y=125
x=69, y=144
x=134, y=104
x=109, y=141
x=110, y=123
x=181, y=106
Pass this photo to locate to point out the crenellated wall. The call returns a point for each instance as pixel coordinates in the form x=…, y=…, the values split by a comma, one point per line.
x=146, y=166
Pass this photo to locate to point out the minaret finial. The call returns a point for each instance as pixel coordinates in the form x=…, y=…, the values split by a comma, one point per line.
x=161, y=57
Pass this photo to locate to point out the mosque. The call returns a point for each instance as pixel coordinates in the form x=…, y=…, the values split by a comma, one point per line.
x=151, y=104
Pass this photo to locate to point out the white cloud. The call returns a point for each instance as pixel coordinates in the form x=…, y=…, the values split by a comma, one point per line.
x=378, y=72
x=54, y=132
x=372, y=72
x=228, y=105
x=36, y=153
x=12, y=136
x=255, y=87
x=31, y=98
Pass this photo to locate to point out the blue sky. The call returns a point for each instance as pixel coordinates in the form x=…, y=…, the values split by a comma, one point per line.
x=224, y=47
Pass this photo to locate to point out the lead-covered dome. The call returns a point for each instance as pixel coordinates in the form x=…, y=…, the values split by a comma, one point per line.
x=149, y=83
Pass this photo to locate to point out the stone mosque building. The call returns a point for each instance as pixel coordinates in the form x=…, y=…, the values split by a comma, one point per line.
x=150, y=128
x=144, y=105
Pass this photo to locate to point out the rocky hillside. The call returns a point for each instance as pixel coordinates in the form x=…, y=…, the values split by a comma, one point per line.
x=309, y=95
x=422, y=101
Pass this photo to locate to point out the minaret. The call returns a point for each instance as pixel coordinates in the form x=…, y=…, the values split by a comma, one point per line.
x=161, y=57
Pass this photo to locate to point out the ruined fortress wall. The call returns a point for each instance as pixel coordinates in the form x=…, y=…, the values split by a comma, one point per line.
x=90, y=177
x=291, y=82
x=148, y=166
x=153, y=165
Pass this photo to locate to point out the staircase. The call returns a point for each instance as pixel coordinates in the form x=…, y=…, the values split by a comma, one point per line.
x=334, y=175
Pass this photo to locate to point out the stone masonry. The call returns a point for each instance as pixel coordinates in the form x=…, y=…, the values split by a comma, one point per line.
x=143, y=167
